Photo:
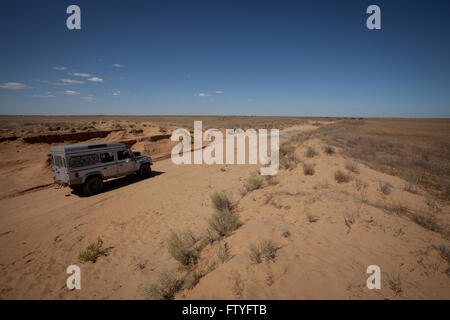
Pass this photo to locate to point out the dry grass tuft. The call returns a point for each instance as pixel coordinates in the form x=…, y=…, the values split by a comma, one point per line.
x=265, y=249
x=341, y=177
x=181, y=247
x=308, y=169
x=165, y=288
x=395, y=283
x=385, y=187
x=352, y=166
x=254, y=182
x=310, y=152
x=224, y=222
x=329, y=150
x=221, y=201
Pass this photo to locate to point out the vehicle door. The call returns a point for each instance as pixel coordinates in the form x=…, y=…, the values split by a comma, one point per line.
x=125, y=162
x=59, y=169
x=109, y=167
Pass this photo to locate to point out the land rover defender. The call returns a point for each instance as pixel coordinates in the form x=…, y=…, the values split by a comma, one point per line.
x=86, y=166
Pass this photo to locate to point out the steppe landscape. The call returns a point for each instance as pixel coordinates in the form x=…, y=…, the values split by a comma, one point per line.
x=350, y=193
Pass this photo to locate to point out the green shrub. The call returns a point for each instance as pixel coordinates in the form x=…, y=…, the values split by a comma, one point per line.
x=92, y=252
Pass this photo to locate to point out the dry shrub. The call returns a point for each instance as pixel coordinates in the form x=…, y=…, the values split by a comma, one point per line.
x=223, y=252
x=444, y=252
x=288, y=158
x=265, y=249
x=221, y=201
x=165, y=288
x=427, y=220
x=395, y=283
x=254, y=182
x=312, y=217
x=271, y=181
x=310, y=152
x=329, y=150
x=181, y=247
x=224, y=222
x=385, y=187
x=237, y=284
x=352, y=166
x=341, y=177
x=308, y=169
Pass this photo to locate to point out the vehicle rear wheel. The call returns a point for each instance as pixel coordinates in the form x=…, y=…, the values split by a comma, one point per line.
x=145, y=171
x=93, y=186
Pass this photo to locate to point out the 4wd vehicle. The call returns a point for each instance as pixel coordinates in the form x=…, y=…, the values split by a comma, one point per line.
x=87, y=165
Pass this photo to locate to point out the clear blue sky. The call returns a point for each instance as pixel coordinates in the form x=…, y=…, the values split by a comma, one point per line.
x=278, y=57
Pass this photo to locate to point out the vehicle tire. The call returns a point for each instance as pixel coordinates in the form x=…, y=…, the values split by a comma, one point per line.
x=145, y=171
x=93, y=186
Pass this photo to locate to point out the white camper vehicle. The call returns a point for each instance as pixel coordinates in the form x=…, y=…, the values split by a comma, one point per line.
x=87, y=165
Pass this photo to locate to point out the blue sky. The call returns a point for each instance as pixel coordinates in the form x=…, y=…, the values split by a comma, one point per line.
x=225, y=57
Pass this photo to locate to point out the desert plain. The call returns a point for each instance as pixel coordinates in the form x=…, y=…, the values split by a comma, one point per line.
x=350, y=193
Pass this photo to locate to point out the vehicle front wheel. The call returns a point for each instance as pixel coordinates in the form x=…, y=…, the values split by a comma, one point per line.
x=92, y=186
x=145, y=171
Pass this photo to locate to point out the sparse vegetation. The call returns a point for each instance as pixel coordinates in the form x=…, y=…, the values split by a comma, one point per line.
x=165, y=288
x=409, y=187
x=224, y=222
x=352, y=166
x=444, y=251
x=341, y=177
x=288, y=158
x=385, y=187
x=312, y=217
x=254, y=182
x=285, y=232
x=329, y=150
x=223, y=252
x=308, y=169
x=93, y=251
x=181, y=247
x=265, y=249
x=416, y=150
x=221, y=201
x=271, y=181
x=310, y=152
x=237, y=284
x=395, y=283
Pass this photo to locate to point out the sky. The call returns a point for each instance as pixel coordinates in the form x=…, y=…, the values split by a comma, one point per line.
x=226, y=57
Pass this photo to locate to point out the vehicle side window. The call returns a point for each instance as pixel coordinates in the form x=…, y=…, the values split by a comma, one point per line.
x=107, y=157
x=59, y=161
x=82, y=161
x=122, y=155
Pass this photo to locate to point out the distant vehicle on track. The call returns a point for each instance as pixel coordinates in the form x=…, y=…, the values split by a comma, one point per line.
x=86, y=166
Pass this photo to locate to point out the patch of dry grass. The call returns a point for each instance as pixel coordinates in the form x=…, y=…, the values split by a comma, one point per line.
x=341, y=177
x=308, y=169
x=166, y=286
x=417, y=150
x=254, y=182
x=181, y=247
x=310, y=152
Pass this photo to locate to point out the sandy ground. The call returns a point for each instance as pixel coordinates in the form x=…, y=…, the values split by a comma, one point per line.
x=335, y=232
